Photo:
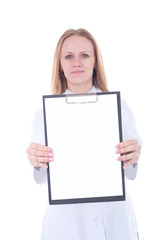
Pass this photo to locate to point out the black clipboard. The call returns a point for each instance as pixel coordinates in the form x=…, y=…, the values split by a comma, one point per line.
x=83, y=130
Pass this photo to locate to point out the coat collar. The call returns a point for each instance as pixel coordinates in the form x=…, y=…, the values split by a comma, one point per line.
x=93, y=90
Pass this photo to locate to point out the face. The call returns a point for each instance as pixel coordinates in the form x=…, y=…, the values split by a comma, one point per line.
x=77, y=60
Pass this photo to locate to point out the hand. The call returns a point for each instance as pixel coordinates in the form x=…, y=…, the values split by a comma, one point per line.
x=39, y=155
x=130, y=151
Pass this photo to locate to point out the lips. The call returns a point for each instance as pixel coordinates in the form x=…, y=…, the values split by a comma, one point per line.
x=77, y=71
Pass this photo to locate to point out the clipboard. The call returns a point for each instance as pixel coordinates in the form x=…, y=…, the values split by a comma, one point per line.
x=83, y=130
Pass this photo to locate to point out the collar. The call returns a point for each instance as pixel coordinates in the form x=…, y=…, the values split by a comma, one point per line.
x=92, y=90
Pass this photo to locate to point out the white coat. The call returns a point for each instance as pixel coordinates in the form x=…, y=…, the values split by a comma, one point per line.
x=90, y=221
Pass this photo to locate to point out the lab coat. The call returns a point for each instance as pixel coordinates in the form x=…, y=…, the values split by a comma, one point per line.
x=89, y=221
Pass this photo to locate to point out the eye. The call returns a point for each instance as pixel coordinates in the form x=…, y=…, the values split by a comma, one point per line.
x=68, y=57
x=85, y=55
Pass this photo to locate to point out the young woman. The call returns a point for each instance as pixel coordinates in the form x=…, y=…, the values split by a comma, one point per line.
x=78, y=68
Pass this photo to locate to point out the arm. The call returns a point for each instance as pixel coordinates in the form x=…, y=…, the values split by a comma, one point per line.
x=37, y=152
x=131, y=143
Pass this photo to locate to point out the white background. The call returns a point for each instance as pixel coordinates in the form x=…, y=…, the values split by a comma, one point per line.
x=128, y=35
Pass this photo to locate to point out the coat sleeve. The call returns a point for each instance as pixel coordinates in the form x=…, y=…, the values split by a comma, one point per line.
x=40, y=174
x=129, y=132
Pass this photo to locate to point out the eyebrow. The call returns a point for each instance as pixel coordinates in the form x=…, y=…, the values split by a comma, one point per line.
x=72, y=52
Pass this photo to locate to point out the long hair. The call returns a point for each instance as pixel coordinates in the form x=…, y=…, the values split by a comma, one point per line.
x=59, y=83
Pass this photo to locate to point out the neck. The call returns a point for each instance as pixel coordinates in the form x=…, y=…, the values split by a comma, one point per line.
x=78, y=89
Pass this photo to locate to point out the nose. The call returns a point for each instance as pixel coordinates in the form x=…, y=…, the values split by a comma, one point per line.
x=77, y=62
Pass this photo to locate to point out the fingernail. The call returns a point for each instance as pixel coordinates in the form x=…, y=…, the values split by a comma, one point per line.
x=120, y=158
x=50, y=154
x=118, y=151
x=50, y=159
x=118, y=146
x=49, y=149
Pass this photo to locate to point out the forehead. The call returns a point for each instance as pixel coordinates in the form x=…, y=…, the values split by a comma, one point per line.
x=77, y=43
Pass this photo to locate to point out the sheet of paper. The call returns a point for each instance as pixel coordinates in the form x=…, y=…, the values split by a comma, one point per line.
x=83, y=137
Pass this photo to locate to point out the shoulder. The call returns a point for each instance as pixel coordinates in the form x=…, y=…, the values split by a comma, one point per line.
x=96, y=90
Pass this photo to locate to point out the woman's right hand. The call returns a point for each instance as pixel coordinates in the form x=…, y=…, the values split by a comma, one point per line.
x=39, y=155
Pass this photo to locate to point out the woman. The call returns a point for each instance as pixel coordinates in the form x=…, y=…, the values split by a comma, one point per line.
x=78, y=68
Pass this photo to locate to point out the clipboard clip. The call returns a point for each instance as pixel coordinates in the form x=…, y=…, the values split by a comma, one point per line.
x=81, y=98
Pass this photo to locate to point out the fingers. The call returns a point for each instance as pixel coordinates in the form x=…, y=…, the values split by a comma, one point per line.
x=39, y=147
x=130, y=151
x=39, y=155
x=127, y=146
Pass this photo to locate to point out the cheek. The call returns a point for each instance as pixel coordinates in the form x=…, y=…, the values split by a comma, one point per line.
x=65, y=66
x=66, y=70
x=92, y=64
x=91, y=67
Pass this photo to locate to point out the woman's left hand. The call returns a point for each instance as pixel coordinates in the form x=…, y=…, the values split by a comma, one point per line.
x=130, y=151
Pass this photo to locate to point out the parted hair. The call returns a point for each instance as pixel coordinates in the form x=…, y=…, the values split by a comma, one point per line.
x=59, y=83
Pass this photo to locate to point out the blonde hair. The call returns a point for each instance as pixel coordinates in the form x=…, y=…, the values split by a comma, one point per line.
x=59, y=83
